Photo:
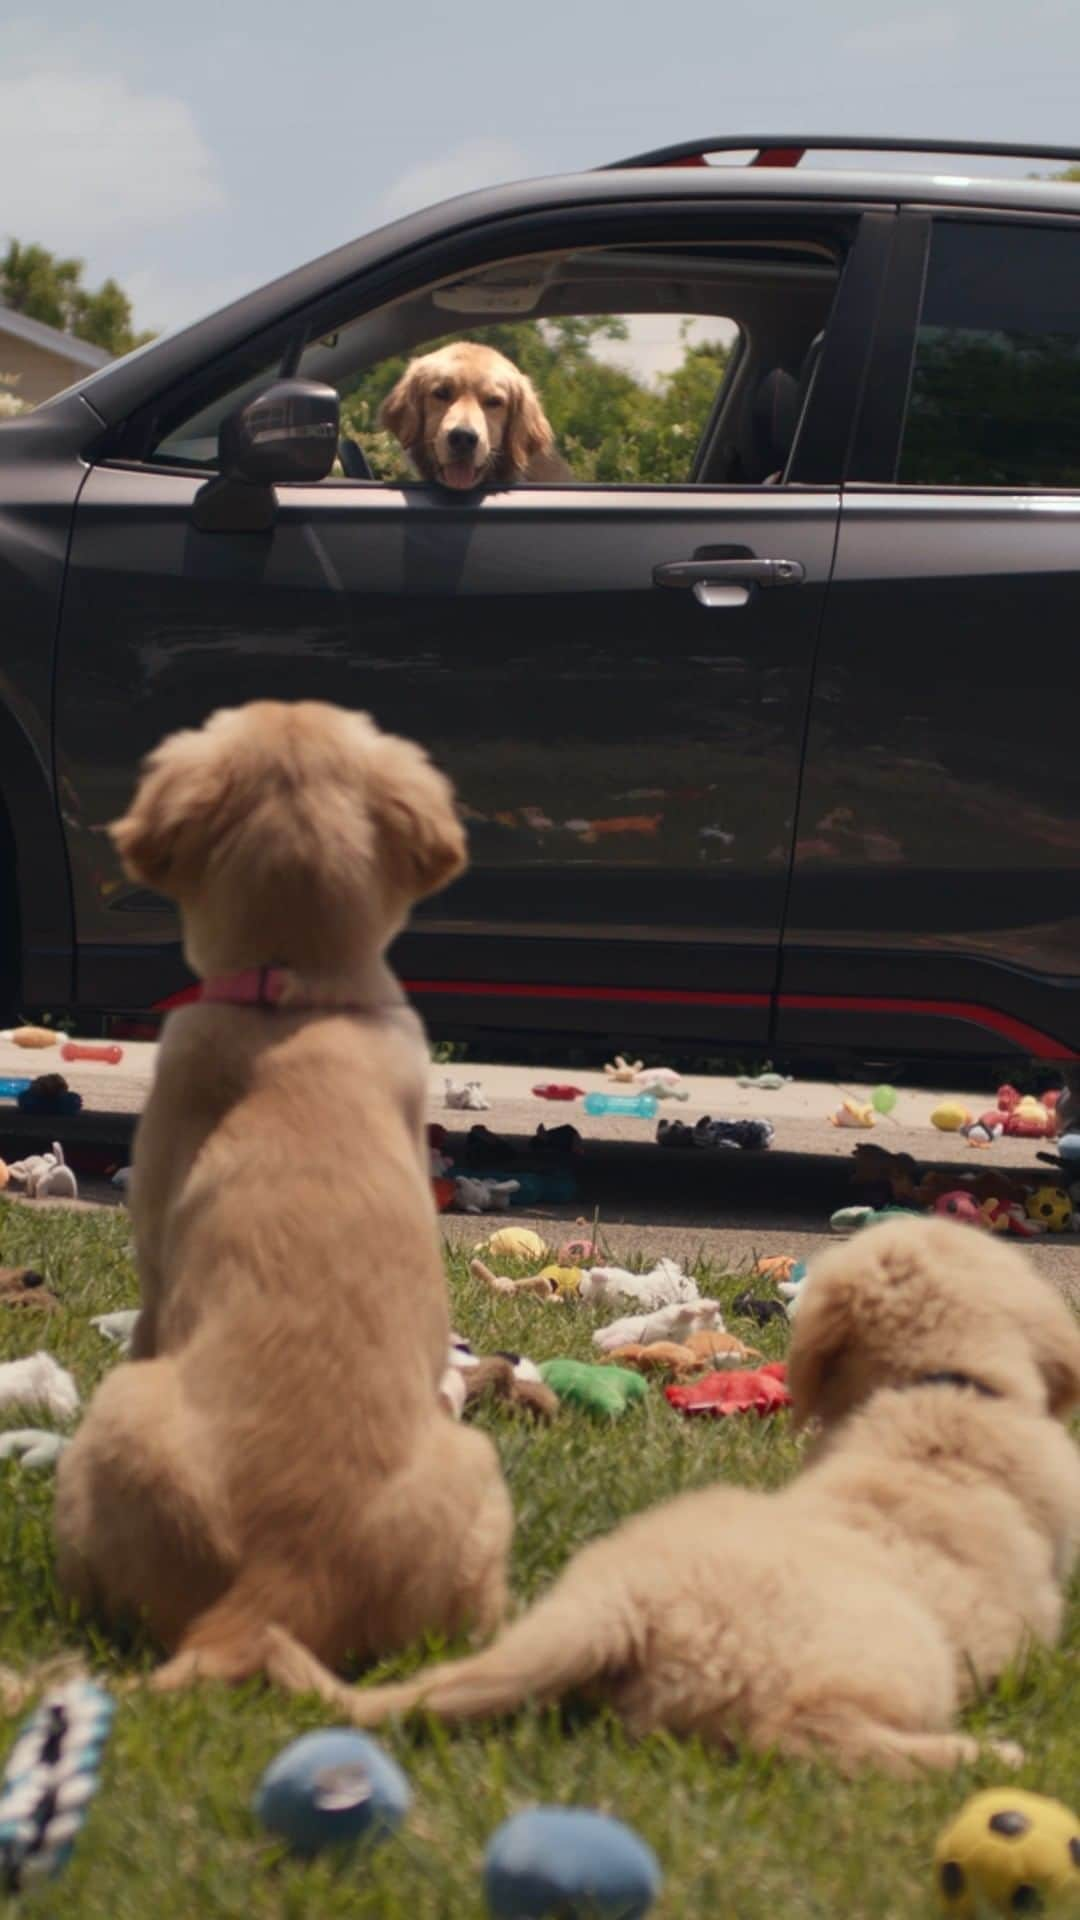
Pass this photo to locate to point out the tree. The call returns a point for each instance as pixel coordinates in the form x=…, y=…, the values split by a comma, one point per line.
x=37, y=283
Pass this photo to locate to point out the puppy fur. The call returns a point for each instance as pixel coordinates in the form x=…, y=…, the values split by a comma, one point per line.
x=467, y=417
x=924, y=1544
x=275, y=1459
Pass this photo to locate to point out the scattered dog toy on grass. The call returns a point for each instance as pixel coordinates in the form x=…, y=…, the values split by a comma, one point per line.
x=38, y=1381
x=603, y=1389
x=25, y=1287
x=1014, y=1851
x=759, y=1390
x=332, y=1789
x=667, y=1323
x=568, y=1863
x=49, y=1781
x=666, y=1285
x=35, y=1448
x=513, y=1243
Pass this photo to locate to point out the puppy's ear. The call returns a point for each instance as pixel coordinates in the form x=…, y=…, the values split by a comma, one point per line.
x=402, y=412
x=824, y=1324
x=1054, y=1337
x=183, y=786
x=413, y=804
x=528, y=431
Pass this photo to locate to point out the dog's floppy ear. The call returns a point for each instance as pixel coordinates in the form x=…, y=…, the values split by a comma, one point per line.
x=182, y=786
x=1054, y=1338
x=402, y=412
x=528, y=431
x=824, y=1323
x=413, y=803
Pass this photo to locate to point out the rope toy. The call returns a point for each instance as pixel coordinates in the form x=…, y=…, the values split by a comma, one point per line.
x=48, y=1783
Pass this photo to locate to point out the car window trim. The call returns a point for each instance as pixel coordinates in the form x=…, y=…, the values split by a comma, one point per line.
x=284, y=341
x=879, y=435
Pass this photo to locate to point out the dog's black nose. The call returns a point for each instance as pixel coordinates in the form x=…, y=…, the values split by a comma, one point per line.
x=462, y=440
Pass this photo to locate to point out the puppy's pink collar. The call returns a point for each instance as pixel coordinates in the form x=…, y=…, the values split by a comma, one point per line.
x=255, y=987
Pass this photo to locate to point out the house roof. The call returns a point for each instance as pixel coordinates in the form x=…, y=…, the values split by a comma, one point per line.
x=80, y=353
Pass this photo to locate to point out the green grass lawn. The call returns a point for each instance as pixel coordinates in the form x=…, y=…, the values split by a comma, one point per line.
x=172, y=1834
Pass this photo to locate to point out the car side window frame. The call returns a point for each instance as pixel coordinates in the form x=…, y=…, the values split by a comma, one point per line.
x=877, y=442
x=821, y=444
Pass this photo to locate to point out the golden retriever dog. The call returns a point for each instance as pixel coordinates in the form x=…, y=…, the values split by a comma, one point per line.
x=467, y=417
x=923, y=1545
x=275, y=1456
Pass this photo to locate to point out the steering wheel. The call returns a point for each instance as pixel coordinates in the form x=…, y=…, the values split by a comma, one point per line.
x=354, y=460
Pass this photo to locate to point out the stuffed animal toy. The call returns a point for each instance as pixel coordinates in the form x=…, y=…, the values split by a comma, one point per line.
x=775, y=1266
x=469, y=1096
x=33, y=1448
x=950, y=1117
x=759, y=1390
x=1051, y=1208
x=604, y=1389
x=663, y=1083
x=570, y=1862
x=117, y=1327
x=852, y=1113
x=665, y=1286
x=543, y=1284
x=624, y=1071
x=767, y=1082
x=506, y=1377
x=716, y=1349
x=555, y=1090
x=1009, y=1216
x=484, y=1196
x=513, y=1243
x=749, y=1136
x=580, y=1252
x=565, y=1141
x=31, y=1037
x=986, y=1129
x=893, y=1176
x=50, y=1778
x=44, y=1176
x=1012, y=1850
x=1030, y=1120
x=660, y=1356
x=49, y=1093
x=961, y=1206
x=486, y=1149
x=668, y=1323
x=25, y=1287
x=38, y=1381
x=761, y=1311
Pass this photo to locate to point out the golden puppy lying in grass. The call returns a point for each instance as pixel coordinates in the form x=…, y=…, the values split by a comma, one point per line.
x=926, y=1541
x=275, y=1456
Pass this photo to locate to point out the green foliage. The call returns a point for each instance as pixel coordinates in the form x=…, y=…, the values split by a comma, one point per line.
x=171, y=1830
x=44, y=287
x=608, y=424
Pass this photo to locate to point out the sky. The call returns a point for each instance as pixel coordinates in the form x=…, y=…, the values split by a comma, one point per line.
x=195, y=150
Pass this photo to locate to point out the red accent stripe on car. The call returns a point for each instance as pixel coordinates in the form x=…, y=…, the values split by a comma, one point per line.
x=1032, y=1040
x=1040, y=1045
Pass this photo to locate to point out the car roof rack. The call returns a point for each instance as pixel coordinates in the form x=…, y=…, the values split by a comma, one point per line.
x=787, y=149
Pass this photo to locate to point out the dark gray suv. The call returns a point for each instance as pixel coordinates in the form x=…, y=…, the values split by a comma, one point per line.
x=773, y=750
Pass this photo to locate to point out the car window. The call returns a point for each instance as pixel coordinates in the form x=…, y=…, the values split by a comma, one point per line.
x=995, y=385
x=651, y=366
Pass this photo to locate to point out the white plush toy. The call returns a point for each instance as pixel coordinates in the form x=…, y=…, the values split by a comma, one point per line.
x=38, y=1381
x=663, y=1083
x=44, y=1176
x=117, y=1327
x=670, y=1323
x=665, y=1286
x=484, y=1196
x=469, y=1096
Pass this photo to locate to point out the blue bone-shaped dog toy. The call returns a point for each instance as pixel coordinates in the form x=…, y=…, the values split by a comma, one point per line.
x=49, y=1781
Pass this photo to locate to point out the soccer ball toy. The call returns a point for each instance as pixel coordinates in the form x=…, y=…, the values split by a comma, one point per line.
x=1008, y=1849
x=1051, y=1207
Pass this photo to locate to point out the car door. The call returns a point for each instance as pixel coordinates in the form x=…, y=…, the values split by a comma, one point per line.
x=937, y=861
x=616, y=678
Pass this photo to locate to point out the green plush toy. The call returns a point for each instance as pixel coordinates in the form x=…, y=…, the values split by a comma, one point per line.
x=607, y=1390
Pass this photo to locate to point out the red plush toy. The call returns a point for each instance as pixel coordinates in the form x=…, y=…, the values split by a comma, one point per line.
x=758, y=1390
x=958, y=1205
x=552, y=1091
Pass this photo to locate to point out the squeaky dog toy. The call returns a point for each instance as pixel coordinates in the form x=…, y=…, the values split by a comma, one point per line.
x=49, y=1781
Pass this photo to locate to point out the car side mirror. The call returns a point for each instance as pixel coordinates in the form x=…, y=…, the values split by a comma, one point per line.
x=288, y=432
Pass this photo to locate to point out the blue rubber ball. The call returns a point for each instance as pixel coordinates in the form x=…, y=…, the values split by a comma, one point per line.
x=331, y=1789
x=570, y=1862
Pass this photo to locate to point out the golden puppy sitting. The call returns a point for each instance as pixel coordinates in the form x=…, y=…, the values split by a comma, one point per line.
x=467, y=417
x=274, y=1470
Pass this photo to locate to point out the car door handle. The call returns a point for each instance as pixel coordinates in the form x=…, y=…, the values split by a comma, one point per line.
x=727, y=583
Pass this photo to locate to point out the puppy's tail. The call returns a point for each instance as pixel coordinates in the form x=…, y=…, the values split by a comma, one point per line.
x=559, y=1645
